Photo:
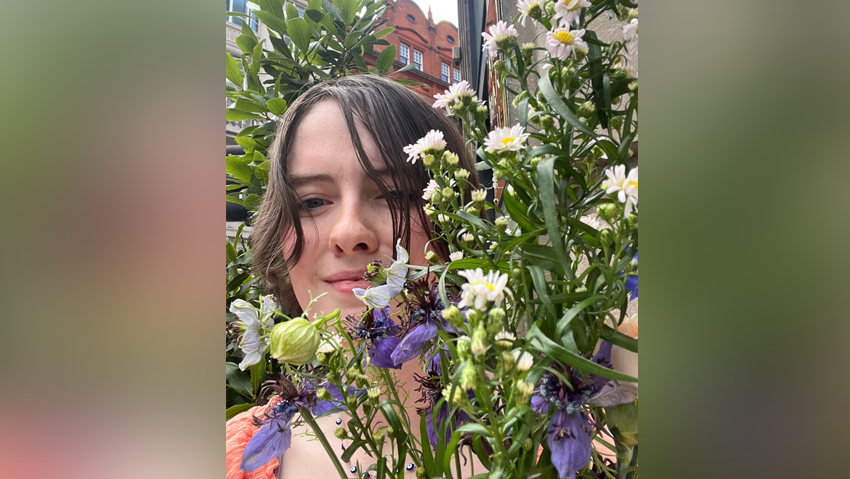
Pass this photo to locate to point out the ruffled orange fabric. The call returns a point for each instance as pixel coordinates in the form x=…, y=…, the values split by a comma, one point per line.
x=240, y=430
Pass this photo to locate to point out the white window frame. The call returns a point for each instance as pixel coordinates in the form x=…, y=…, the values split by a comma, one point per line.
x=401, y=53
x=421, y=62
x=445, y=71
x=456, y=77
x=253, y=22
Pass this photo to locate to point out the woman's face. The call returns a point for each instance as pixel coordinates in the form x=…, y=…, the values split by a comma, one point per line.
x=351, y=224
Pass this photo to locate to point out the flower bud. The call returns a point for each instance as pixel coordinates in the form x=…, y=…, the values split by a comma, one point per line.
x=581, y=53
x=461, y=175
x=541, y=100
x=482, y=111
x=333, y=377
x=479, y=341
x=431, y=257
x=468, y=238
x=527, y=444
x=609, y=212
x=522, y=96
x=550, y=9
x=501, y=224
x=428, y=161
x=524, y=391
x=586, y=109
x=604, y=236
x=295, y=341
x=527, y=50
x=448, y=193
x=450, y=158
x=378, y=437
x=468, y=377
x=351, y=401
x=367, y=409
x=494, y=246
x=500, y=174
x=362, y=380
x=565, y=72
x=508, y=359
x=505, y=340
x=464, y=350
x=322, y=358
x=472, y=210
x=373, y=370
x=390, y=431
x=374, y=393
x=453, y=316
x=633, y=86
x=547, y=122
x=420, y=473
x=633, y=220
x=632, y=13
x=616, y=122
x=430, y=213
x=436, y=197
x=323, y=394
x=352, y=374
x=499, y=66
x=458, y=109
x=581, y=289
x=341, y=433
x=517, y=272
x=535, y=161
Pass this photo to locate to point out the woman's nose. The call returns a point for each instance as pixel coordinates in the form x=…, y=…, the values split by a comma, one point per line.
x=353, y=232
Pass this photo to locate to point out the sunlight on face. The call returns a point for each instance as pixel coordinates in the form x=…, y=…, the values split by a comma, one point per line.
x=351, y=224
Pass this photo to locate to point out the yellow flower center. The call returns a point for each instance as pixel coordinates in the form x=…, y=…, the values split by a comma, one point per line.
x=569, y=8
x=564, y=37
x=507, y=140
x=632, y=183
x=489, y=286
x=534, y=9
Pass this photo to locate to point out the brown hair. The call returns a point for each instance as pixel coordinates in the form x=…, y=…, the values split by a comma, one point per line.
x=395, y=117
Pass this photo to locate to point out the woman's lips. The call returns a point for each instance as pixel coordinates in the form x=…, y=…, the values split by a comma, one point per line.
x=345, y=286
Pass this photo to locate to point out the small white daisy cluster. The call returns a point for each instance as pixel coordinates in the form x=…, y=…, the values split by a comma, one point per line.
x=481, y=290
x=457, y=99
x=499, y=38
x=623, y=187
x=506, y=139
x=430, y=144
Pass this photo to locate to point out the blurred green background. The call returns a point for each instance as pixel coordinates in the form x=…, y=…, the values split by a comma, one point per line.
x=113, y=222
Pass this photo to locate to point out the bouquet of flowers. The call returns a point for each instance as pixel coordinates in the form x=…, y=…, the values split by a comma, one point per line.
x=523, y=334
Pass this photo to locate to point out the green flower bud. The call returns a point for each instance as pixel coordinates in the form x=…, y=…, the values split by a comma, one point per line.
x=436, y=197
x=547, y=122
x=500, y=174
x=341, y=433
x=428, y=161
x=378, y=437
x=535, y=161
x=472, y=210
x=453, y=316
x=351, y=401
x=632, y=13
x=333, y=376
x=464, y=350
x=501, y=224
x=527, y=444
x=633, y=220
x=431, y=257
x=323, y=394
x=322, y=358
x=616, y=122
x=430, y=213
x=609, y=212
x=494, y=246
x=497, y=318
x=528, y=49
x=633, y=86
x=581, y=289
x=550, y=9
x=367, y=409
x=605, y=236
x=522, y=96
x=479, y=341
x=542, y=100
x=373, y=370
x=455, y=399
x=458, y=109
x=586, y=109
x=450, y=158
x=499, y=66
x=482, y=111
x=390, y=431
x=362, y=381
x=421, y=473
x=461, y=175
x=352, y=374
x=374, y=393
x=508, y=359
x=468, y=377
x=581, y=53
x=295, y=341
x=468, y=238
x=565, y=72
x=517, y=272
x=524, y=391
x=448, y=193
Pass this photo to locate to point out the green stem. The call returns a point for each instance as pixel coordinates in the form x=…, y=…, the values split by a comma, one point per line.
x=308, y=418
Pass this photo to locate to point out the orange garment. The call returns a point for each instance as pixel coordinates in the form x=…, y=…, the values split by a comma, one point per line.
x=240, y=430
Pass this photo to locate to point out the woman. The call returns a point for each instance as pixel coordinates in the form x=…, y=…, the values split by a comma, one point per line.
x=340, y=194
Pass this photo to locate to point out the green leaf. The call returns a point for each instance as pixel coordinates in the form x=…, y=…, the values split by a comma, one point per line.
x=315, y=15
x=299, y=32
x=247, y=106
x=394, y=422
x=572, y=312
x=252, y=202
x=515, y=210
x=291, y=12
x=232, y=411
x=258, y=373
x=350, y=450
x=237, y=167
x=331, y=9
x=271, y=21
x=407, y=83
x=235, y=115
x=385, y=59
x=619, y=339
x=246, y=43
x=539, y=280
x=475, y=428
x=555, y=101
x=277, y=106
x=427, y=457
x=256, y=58
x=384, y=32
x=233, y=72
x=546, y=187
x=559, y=353
x=239, y=380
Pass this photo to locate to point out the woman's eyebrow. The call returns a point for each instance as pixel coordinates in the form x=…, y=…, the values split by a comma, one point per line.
x=299, y=180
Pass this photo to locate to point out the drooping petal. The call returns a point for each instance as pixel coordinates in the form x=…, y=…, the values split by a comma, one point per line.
x=603, y=356
x=382, y=350
x=271, y=441
x=570, y=443
x=613, y=393
x=245, y=312
x=412, y=344
x=377, y=297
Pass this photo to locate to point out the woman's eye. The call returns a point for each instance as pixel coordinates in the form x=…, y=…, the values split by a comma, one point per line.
x=312, y=203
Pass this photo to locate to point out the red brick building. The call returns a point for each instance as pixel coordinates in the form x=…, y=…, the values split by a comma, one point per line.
x=419, y=40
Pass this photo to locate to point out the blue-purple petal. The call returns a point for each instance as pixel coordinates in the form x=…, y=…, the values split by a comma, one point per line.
x=603, y=355
x=271, y=441
x=632, y=285
x=539, y=405
x=570, y=443
x=412, y=344
x=433, y=358
x=382, y=350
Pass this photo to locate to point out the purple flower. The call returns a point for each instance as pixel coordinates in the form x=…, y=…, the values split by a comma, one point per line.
x=382, y=333
x=411, y=346
x=432, y=393
x=422, y=325
x=569, y=440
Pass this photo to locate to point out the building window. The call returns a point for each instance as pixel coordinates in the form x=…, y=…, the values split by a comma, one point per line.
x=450, y=39
x=457, y=75
x=444, y=71
x=417, y=59
x=411, y=19
x=404, y=53
x=242, y=6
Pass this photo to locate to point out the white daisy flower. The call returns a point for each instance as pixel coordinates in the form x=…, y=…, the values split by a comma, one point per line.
x=330, y=344
x=505, y=336
x=506, y=139
x=524, y=362
x=529, y=9
x=591, y=221
x=453, y=95
x=568, y=10
x=630, y=30
x=443, y=218
x=467, y=237
x=500, y=35
x=429, y=190
x=562, y=41
x=479, y=195
x=481, y=289
x=622, y=187
x=430, y=143
x=251, y=343
x=456, y=256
